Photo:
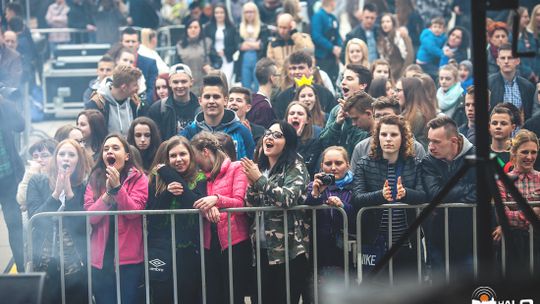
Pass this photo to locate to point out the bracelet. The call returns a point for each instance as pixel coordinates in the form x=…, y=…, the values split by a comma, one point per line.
x=113, y=191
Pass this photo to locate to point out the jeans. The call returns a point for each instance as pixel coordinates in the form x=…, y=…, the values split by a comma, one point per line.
x=131, y=280
x=249, y=81
x=13, y=219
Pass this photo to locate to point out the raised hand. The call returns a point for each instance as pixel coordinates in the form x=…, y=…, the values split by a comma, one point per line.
x=387, y=192
x=401, y=191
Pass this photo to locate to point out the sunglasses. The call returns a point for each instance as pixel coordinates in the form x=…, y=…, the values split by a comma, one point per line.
x=274, y=134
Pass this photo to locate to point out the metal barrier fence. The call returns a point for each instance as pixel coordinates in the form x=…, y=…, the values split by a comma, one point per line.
x=419, y=249
x=258, y=211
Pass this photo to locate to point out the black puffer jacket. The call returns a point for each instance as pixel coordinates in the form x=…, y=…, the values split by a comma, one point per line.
x=436, y=173
x=369, y=178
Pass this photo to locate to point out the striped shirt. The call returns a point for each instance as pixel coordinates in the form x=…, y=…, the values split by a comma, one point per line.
x=399, y=216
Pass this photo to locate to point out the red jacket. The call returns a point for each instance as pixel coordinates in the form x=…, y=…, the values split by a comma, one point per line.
x=132, y=196
x=230, y=186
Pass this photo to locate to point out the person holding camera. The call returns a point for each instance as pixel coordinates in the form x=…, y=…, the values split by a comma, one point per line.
x=332, y=186
x=389, y=174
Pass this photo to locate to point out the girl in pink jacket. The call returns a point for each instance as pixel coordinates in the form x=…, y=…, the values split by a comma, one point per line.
x=226, y=188
x=116, y=183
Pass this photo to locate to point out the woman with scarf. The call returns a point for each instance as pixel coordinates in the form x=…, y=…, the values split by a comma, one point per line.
x=450, y=94
x=335, y=162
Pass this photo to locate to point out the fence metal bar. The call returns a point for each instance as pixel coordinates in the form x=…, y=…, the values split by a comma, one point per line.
x=345, y=244
x=446, y=246
x=202, y=251
x=146, y=271
x=531, y=249
x=315, y=270
x=390, y=243
x=173, y=254
x=418, y=251
x=117, y=260
x=62, y=262
x=258, y=249
x=287, y=266
x=88, y=256
x=475, y=244
x=503, y=255
x=229, y=238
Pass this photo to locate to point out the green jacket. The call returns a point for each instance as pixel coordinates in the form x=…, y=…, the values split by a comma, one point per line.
x=345, y=134
x=285, y=187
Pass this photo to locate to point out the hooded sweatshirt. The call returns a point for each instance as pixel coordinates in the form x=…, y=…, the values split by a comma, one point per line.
x=120, y=113
x=231, y=125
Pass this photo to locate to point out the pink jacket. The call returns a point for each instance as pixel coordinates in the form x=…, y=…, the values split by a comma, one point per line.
x=230, y=186
x=132, y=196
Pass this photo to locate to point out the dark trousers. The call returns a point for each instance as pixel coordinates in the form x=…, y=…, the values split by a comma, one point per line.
x=13, y=218
x=330, y=65
x=131, y=284
x=188, y=284
x=217, y=271
x=274, y=288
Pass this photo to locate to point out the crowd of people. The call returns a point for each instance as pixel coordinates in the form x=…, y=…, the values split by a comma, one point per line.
x=264, y=109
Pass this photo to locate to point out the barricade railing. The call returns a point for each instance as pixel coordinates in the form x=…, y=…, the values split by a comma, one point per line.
x=259, y=213
x=419, y=242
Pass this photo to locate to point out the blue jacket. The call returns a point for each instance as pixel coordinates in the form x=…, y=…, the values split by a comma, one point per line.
x=245, y=146
x=149, y=69
x=430, y=50
x=325, y=33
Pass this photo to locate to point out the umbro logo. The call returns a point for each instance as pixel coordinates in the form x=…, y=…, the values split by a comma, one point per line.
x=156, y=263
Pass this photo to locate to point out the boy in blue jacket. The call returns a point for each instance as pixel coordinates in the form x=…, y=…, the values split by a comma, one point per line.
x=430, y=52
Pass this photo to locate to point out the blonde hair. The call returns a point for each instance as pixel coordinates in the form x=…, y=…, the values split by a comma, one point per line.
x=533, y=27
x=452, y=69
x=363, y=47
x=147, y=35
x=256, y=23
x=523, y=136
x=206, y=140
x=339, y=149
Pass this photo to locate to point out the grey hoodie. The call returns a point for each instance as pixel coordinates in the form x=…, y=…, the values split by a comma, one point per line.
x=120, y=115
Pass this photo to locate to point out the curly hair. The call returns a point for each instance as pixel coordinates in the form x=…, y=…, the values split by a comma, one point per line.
x=406, y=149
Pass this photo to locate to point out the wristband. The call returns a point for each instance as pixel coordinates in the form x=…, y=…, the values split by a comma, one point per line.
x=113, y=191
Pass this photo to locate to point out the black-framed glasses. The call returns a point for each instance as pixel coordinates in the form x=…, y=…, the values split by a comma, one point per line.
x=274, y=134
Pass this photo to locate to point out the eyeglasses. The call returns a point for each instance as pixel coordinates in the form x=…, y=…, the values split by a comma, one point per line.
x=274, y=134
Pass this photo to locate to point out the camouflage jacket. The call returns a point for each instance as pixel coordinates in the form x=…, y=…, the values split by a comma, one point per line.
x=285, y=187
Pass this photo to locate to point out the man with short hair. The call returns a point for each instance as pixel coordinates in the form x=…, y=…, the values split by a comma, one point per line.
x=10, y=38
x=347, y=129
x=350, y=124
x=300, y=66
x=240, y=103
x=176, y=112
x=120, y=94
x=267, y=75
x=507, y=85
x=366, y=30
x=287, y=41
x=447, y=153
x=214, y=117
x=327, y=40
x=468, y=129
x=105, y=68
x=10, y=65
x=382, y=106
x=501, y=127
x=130, y=39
